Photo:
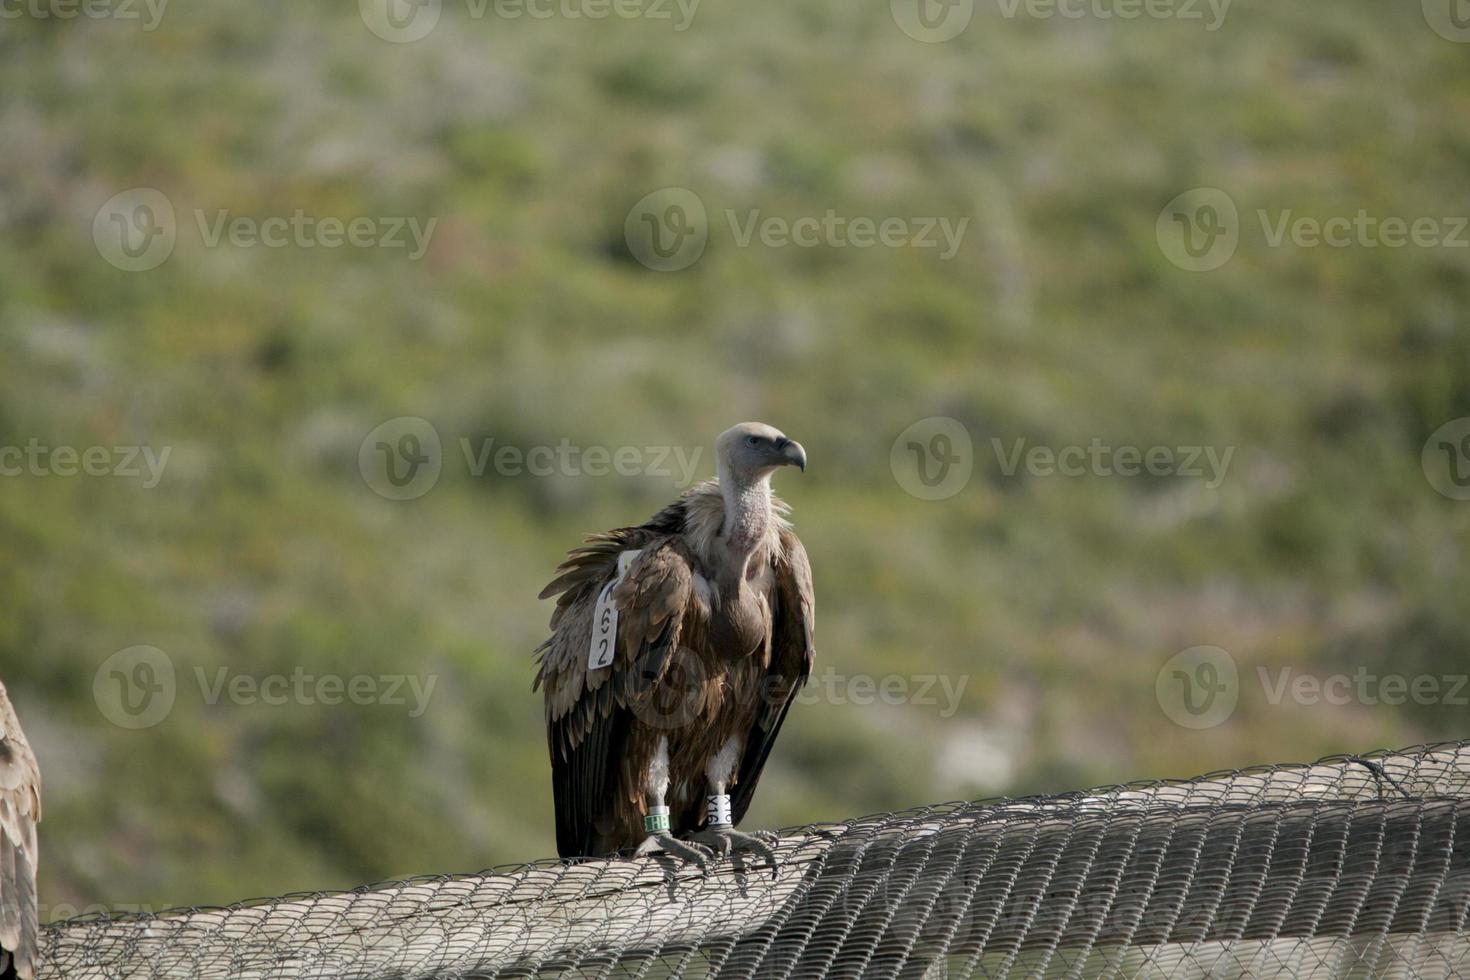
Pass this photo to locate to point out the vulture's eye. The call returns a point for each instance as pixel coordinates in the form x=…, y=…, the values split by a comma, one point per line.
x=752, y=440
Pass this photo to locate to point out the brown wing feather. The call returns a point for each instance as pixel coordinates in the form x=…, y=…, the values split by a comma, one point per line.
x=20, y=811
x=589, y=712
x=792, y=655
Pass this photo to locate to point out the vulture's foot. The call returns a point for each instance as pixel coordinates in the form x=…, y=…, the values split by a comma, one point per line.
x=665, y=843
x=725, y=841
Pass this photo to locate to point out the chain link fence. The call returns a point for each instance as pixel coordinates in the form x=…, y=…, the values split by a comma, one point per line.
x=1350, y=867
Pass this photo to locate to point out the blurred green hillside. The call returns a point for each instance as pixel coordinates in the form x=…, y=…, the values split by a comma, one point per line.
x=1056, y=600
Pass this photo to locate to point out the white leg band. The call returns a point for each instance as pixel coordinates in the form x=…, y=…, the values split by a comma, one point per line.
x=719, y=810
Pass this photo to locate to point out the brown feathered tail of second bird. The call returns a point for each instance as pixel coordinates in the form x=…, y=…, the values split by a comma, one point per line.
x=20, y=811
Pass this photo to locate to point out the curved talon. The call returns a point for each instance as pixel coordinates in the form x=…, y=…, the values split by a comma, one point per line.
x=725, y=841
x=661, y=843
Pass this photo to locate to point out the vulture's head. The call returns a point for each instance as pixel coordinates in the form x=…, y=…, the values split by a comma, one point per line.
x=752, y=450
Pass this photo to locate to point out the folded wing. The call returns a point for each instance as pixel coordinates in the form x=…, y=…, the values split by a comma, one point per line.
x=589, y=711
x=792, y=655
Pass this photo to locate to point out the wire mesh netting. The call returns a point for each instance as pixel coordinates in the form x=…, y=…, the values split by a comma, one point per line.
x=1353, y=866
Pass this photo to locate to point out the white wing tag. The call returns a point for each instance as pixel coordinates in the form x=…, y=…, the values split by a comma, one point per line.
x=605, y=617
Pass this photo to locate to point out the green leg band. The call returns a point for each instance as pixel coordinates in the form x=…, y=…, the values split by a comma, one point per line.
x=657, y=820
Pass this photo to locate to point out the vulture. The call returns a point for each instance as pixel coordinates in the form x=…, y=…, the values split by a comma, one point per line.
x=20, y=811
x=677, y=647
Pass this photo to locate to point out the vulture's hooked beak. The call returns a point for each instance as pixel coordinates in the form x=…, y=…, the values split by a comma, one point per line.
x=792, y=452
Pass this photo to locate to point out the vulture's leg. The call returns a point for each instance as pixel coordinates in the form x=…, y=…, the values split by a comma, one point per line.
x=720, y=834
x=656, y=823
